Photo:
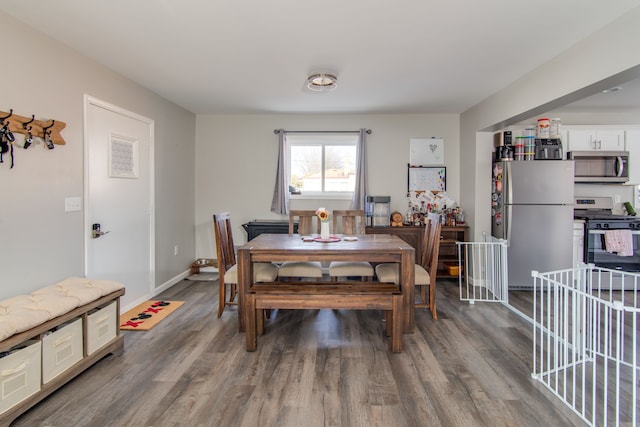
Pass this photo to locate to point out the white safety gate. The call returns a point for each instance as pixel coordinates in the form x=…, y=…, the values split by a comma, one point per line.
x=482, y=274
x=585, y=346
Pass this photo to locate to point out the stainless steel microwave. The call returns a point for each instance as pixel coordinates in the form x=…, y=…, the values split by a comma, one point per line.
x=600, y=166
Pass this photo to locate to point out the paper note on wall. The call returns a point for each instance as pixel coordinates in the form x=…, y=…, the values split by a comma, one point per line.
x=426, y=152
x=427, y=179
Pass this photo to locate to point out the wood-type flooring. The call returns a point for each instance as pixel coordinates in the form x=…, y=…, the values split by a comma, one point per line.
x=471, y=367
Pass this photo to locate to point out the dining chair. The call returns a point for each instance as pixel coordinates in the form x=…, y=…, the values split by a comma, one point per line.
x=350, y=222
x=302, y=269
x=425, y=271
x=227, y=267
x=306, y=220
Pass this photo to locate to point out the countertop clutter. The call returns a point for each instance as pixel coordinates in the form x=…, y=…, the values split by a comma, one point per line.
x=426, y=205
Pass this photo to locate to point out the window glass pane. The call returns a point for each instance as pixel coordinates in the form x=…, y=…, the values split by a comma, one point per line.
x=340, y=168
x=306, y=167
x=322, y=163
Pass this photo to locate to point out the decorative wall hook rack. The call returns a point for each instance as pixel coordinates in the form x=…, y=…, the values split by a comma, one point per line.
x=37, y=128
x=24, y=125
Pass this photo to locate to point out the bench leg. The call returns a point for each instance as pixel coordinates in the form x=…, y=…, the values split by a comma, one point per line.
x=396, y=324
x=250, y=323
x=260, y=314
x=388, y=321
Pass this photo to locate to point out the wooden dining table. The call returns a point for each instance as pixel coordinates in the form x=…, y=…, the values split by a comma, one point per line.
x=373, y=248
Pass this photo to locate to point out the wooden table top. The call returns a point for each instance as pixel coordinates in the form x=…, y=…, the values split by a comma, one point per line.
x=284, y=247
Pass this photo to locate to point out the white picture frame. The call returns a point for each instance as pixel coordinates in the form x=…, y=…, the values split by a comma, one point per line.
x=123, y=157
x=426, y=152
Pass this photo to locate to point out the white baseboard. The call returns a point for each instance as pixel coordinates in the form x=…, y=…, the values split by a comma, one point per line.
x=169, y=283
x=166, y=285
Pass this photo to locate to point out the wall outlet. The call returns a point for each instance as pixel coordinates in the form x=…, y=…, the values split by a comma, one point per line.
x=175, y=250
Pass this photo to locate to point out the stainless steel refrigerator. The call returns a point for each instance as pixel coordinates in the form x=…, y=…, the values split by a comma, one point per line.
x=532, y=208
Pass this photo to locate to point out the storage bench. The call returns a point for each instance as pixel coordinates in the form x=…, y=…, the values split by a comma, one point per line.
x=51, y=335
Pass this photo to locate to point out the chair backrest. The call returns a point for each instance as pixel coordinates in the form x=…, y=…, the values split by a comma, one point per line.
x=431, y=247
x=224, y=243
x=305, y=220
x=352, y=221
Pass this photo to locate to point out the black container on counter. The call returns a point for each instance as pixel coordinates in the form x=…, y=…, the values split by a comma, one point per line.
x=504, y=153
x=549, y=149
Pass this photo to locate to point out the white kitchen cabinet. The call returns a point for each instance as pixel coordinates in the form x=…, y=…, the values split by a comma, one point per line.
x=632, y=145
x=578, y=242
x=595, y=140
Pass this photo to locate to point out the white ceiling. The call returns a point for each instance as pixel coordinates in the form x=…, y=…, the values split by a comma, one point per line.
x=625, y=96
x=250, y=56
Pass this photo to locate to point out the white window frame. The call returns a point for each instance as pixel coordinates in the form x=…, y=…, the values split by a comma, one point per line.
x=324, y=140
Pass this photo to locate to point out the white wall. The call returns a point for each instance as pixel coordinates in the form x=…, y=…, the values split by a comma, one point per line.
x=236, y=157
x=39, y=243
x=601, y=61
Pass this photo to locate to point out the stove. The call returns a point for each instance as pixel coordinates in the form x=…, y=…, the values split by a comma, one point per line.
x=597, y=212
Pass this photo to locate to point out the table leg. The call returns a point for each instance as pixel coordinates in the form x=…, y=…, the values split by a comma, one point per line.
x=250, y=322
x=396, y=321
x=407, y=280
x=244, y=282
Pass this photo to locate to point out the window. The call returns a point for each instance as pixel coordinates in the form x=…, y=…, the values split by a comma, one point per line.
x=322, y=164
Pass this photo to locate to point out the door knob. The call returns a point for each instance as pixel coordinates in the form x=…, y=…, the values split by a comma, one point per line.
x=96, y=232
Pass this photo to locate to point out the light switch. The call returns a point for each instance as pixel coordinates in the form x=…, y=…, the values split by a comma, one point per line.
x=72, y=204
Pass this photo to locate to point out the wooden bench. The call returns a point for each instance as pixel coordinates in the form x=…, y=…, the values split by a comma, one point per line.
x=324, y=295
x=95, y=340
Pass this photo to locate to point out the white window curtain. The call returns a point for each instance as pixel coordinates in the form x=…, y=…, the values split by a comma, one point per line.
x=361, y=189
x=280, y=202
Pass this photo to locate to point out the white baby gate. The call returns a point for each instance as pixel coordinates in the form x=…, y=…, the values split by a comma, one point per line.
x=482, y=274
x=585, y=347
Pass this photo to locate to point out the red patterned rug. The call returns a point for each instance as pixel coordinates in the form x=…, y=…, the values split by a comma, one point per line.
x=147, y=315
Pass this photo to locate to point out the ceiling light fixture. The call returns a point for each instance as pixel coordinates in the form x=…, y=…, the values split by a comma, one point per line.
x=613, y=89
x=322, y=82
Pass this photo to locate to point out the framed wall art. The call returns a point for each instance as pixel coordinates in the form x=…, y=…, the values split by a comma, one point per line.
x=123, y=157
x=426, y=152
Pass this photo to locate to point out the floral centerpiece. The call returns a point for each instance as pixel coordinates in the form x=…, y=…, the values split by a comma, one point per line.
x=323, y=216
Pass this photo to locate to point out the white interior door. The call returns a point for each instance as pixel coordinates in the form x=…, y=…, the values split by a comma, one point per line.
x=118, y=151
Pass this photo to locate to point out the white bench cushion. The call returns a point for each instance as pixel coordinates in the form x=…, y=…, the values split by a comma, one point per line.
x=23, y=312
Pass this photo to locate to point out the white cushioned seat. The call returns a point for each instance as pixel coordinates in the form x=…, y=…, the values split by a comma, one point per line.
x=54, y=303
x=300, y=269
x=20, y=319
x=262, y=272
x=23, y=312
x=105, y=287
x=390, y=273
x=63, y=298
x=347, y=268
